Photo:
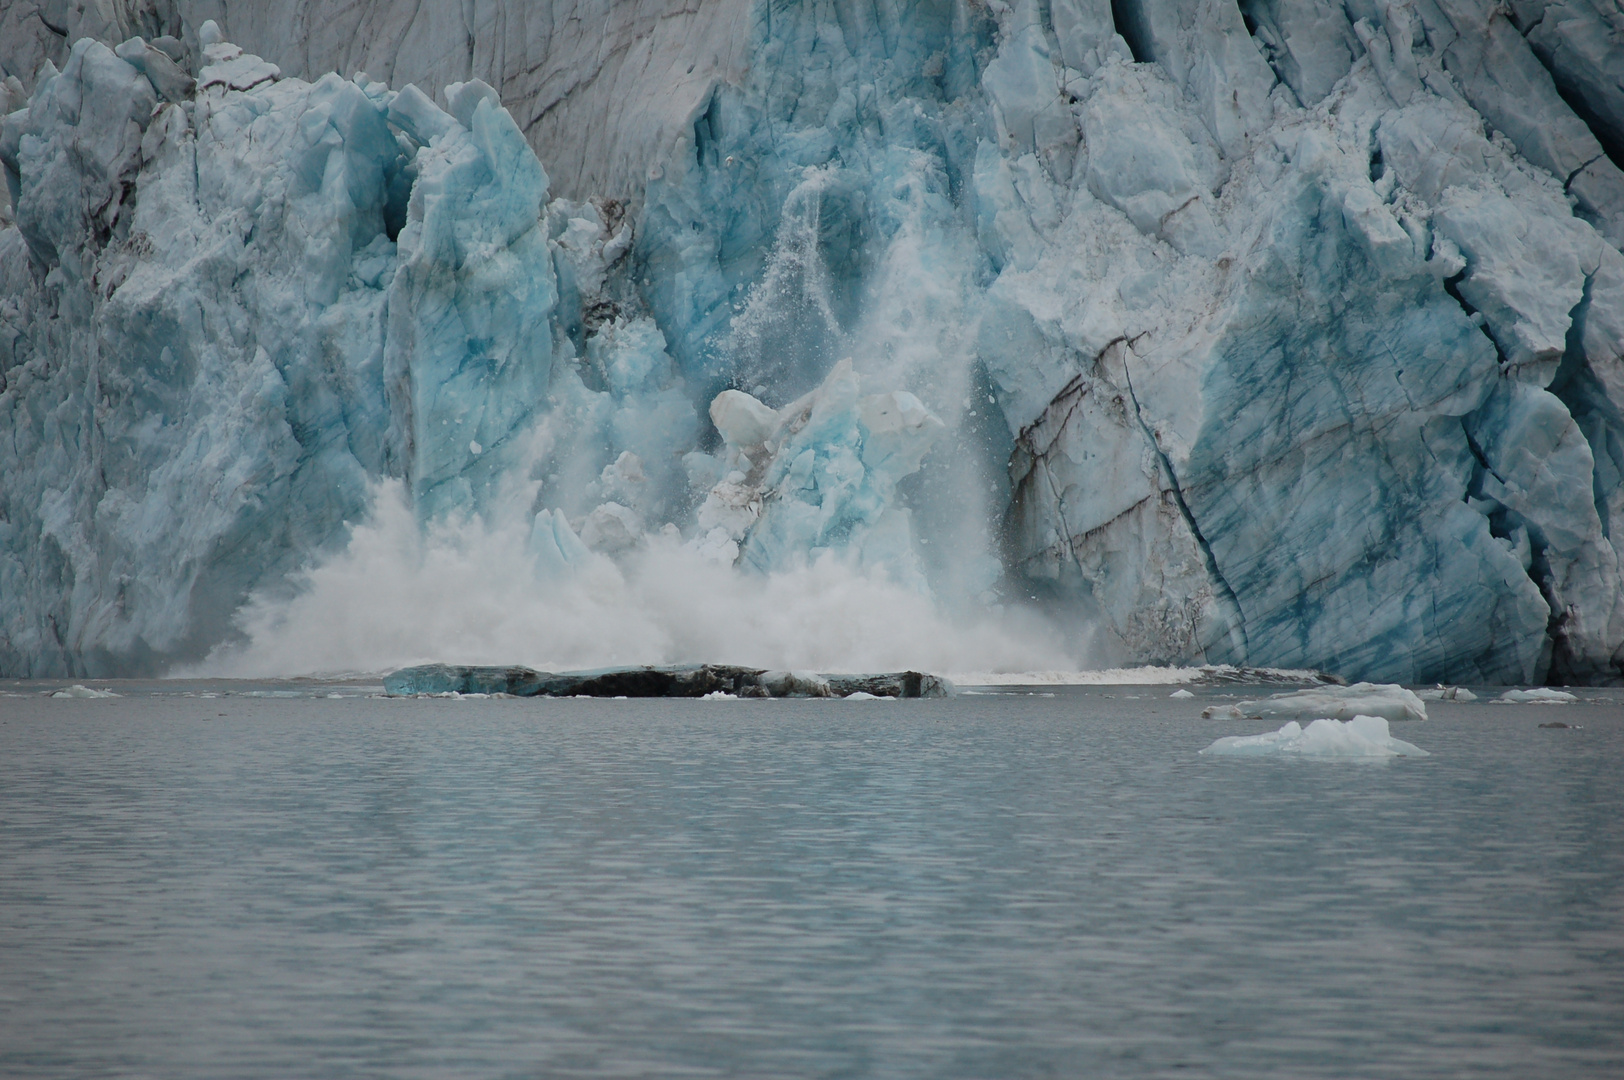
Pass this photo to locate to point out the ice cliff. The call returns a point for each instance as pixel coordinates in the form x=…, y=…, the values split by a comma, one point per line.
x=1286, y=333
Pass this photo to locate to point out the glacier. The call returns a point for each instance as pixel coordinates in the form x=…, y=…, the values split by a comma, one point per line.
x=1282, y=333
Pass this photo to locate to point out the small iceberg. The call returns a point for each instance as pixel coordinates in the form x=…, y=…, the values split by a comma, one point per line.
x=1181, y=695
x=1446, y=693
x=1361, y=737
x=1386, y=700
x=1539, y=695
x=78, y=691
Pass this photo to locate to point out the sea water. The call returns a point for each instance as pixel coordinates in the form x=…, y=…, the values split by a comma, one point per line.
x=299, y=879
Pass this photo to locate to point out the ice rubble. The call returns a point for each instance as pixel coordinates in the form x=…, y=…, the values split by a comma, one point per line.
x=1390, y=701
x=1359, y=737
x=1279, y=333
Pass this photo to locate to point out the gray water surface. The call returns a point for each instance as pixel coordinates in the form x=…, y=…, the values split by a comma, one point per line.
x=988, y=886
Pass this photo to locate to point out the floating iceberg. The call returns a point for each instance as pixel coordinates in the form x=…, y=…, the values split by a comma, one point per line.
x=1391, y=702
x=1360, y=737
x=1539, y=695
x=1446, y=693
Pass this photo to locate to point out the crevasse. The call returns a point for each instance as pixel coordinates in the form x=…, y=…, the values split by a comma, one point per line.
x=1285, y=332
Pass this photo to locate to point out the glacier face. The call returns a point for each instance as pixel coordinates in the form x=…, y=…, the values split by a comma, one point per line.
x=1286, y=332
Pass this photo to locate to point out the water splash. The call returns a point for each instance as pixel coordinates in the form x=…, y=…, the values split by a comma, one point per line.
x=470, y=592
x=787, y=332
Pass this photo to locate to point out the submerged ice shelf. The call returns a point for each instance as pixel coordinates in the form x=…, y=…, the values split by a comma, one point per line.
x=1267, y=334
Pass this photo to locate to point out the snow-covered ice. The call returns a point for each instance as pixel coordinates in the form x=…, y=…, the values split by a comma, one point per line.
x=1359, y=737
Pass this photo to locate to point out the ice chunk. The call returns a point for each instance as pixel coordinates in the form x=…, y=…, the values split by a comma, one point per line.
x=78, y=690
x=1539, y=695
x=159, y=67
x=170, y=46
x=1086, y=33
x=836, y=459
x=1525, y=272
x=743, y=421
x=1446, y=693
x=1206, y=50
x=1360, y=737
x=1309, y=42
x=413, y=112
x=612, y=528
x=1028, y=113
x=554, y=546
x=1390, y=701
x=1181, y=695
x=464, y=98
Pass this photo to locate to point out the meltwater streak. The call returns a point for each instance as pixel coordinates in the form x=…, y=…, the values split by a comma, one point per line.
x=469, y=592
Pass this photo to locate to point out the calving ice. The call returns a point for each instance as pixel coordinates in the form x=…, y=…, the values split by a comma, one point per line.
x=1281, y=334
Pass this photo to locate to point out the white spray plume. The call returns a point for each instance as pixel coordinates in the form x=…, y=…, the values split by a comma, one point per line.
x=467, y=592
